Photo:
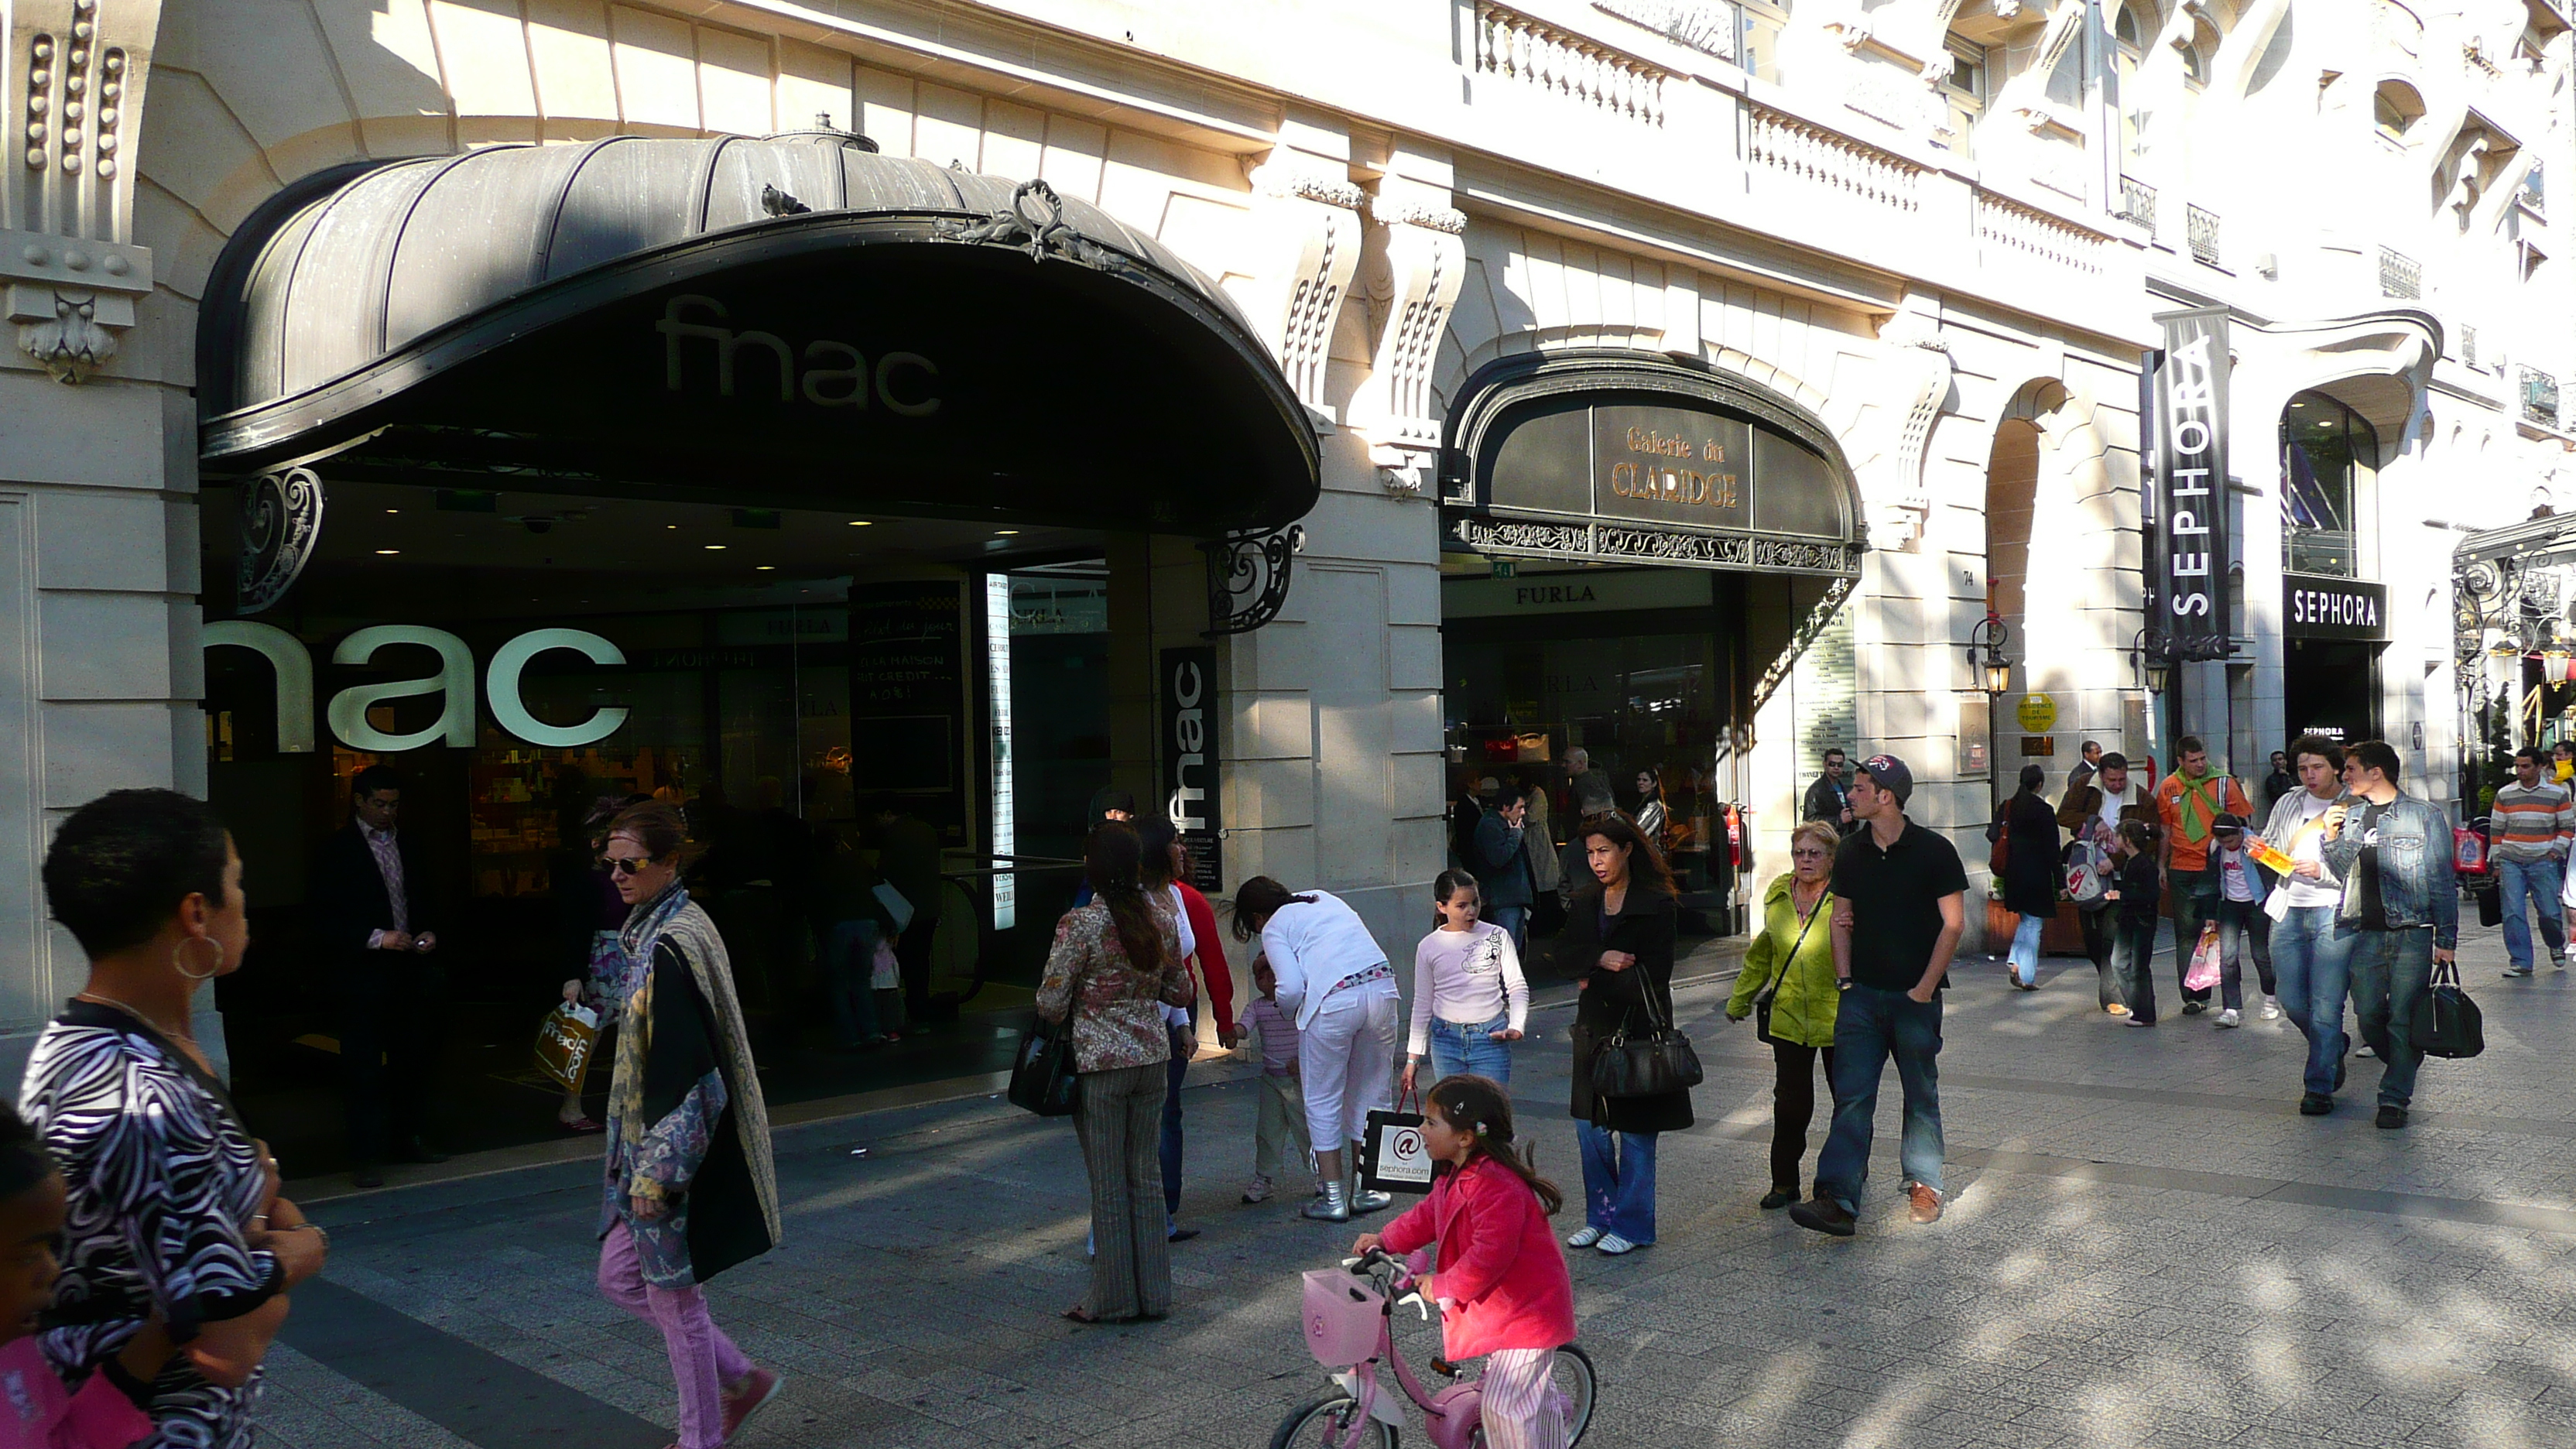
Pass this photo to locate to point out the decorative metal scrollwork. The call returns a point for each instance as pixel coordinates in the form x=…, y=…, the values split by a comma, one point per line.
x=1034, y=220
x=281, y=523
x=1248, y=578
x=1820, y=616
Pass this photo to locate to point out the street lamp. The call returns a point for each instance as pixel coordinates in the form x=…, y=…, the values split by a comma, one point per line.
x=1986, y=654
x=2148, y=656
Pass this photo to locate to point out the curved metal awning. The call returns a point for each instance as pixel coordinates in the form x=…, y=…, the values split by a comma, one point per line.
x=789, y=320
x=1612, y=455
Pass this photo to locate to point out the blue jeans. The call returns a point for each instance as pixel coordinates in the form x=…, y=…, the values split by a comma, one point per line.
x=1871, y=1026
x=1618, y=1181
x=2314, y=965
x=2390, y=972
x=1457, y=1047
x=2537, y=882
x=849, y=959
x=1514, y=919
x=2025, y=949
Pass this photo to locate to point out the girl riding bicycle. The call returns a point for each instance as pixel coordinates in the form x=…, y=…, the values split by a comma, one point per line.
x=1500, y=1279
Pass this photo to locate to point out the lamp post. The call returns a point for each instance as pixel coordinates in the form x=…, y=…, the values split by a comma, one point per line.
x=1993, y=672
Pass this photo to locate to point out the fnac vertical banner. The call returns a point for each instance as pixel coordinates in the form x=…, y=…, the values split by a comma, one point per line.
x=1188, y=719
x=2187, y=549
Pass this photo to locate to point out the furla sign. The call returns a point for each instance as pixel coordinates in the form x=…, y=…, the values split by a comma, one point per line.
x=453, y=685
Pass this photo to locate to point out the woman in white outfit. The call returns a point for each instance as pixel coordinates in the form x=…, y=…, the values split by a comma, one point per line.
x=1336, y=982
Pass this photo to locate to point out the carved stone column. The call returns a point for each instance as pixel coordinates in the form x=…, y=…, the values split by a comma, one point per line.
x=73, y=98
x=1425, y=262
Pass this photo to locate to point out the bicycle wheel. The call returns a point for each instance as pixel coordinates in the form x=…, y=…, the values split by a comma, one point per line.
x=1571, y=1375
x=1326, y=1424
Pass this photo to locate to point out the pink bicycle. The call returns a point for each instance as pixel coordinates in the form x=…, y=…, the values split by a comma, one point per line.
x=1350, y=1328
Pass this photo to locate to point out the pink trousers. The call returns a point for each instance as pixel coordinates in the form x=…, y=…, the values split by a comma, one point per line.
x=702, y=1358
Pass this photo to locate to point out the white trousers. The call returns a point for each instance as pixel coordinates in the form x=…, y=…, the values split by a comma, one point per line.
x=1519, y=1402
x=1347, y=1056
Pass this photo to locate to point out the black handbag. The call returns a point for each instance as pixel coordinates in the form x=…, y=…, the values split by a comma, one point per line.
x=1042, y=1076
x=2447, y=1023
x=1771, y=988
x=1657, y=1064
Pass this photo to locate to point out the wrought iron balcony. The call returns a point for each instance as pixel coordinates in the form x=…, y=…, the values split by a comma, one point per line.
x=2200, y=228
x=2400, y=275
x=2138, y=203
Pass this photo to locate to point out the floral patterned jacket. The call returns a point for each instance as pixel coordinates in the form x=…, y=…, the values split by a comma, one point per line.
x=1116, y=1004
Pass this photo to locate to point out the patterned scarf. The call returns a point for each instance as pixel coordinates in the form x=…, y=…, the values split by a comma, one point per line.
x=672, y=916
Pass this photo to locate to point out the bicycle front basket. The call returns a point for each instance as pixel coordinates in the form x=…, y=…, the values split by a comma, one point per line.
x=1342, y=1317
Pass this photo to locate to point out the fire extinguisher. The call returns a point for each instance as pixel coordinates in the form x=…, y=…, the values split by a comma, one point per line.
x=1739, y=847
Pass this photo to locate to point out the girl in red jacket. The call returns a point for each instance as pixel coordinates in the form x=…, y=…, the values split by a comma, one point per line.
x=1500, y=1277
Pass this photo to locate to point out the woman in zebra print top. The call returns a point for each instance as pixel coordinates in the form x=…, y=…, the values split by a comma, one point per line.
x=174, y=1209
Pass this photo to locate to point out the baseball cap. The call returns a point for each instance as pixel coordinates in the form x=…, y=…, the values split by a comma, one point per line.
x=1889, y=773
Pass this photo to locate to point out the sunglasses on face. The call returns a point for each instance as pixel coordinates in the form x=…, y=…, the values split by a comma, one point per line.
x=1810, y=853
x=628, y=864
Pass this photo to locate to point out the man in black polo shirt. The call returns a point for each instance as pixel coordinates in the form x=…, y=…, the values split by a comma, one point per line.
x=1899, y=909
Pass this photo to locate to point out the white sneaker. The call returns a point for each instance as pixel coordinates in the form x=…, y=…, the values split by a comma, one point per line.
x=2229, y=1017
x=1583, y=1237
x=2271, y=1008
x=1258, y=1189
x=1614, y=1245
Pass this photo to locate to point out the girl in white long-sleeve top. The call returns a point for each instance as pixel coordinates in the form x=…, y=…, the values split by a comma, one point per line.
x=1335, y=982
x=1470, y=1000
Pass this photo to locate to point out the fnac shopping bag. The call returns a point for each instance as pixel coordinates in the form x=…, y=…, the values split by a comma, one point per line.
x=2205, y=959
x=1393, y=1157
x=564, y=1040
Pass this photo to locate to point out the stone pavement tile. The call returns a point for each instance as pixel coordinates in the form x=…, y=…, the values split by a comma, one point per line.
x=304, y=1405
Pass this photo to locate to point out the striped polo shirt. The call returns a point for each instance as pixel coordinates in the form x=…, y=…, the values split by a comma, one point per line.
x=2528, y=824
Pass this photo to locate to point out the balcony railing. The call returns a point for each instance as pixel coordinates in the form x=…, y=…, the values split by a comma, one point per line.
x=2037, y=234
x=2400, y=275
x=2200, y=228
x=2539, y=397
x=2138, y=203
x=1575, y=66
x=1830, y=159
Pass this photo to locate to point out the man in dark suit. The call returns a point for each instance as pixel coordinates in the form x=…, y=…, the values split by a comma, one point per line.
x=374, y=919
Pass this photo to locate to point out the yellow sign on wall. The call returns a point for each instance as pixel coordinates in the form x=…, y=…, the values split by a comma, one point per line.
x=2038, y=713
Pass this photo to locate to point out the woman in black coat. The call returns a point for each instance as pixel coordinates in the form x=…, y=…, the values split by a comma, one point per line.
x=1618, y=943
x=2030, y=871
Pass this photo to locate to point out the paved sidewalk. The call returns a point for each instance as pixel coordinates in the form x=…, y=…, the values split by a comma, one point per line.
x=2146, y=1246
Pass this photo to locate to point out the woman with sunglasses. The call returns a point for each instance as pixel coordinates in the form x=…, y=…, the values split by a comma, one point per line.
x=690, y=1189
x=1790, y=968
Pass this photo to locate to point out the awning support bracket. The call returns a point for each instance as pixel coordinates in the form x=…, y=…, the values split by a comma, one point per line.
x=281, y=525
x=1248, y=575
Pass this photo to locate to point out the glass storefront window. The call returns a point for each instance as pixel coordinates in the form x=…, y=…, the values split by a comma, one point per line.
x=2326, y=451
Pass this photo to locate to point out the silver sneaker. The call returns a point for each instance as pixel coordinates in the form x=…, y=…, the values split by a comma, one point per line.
x=1368, y=1201
x=1330, y=1207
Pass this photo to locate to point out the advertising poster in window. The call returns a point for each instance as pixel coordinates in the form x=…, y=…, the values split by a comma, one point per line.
x=1188, y=720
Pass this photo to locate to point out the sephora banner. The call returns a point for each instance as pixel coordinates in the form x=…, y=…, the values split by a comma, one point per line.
x=2186, y=485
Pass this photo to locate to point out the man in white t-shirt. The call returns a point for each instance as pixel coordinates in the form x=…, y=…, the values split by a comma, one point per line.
x=2313, y=968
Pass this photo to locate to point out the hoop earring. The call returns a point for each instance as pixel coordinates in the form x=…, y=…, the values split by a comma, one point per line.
x=181, y=950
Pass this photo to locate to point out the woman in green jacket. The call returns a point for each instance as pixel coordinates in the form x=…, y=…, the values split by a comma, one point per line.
x=1796, y=949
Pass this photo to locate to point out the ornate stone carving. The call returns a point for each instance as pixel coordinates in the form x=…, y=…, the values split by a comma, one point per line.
x=1424, y=263
x=1919, y=367
x=1309, y=227
x=281, y=523
x=1248, y=575
x=1033, y=222
x=71, y=344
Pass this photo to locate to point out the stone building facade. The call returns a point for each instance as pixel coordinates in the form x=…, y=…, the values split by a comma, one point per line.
x=1918, y=246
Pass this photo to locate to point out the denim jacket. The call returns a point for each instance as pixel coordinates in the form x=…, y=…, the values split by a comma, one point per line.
x=2416, y=883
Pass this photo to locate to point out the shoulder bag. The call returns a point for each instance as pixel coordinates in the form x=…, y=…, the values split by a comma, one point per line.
x=1656, y=1064
x=1771, y=988
x=1042, y=1076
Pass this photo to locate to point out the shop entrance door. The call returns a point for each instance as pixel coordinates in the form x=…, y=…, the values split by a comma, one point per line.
x=2331, y=688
